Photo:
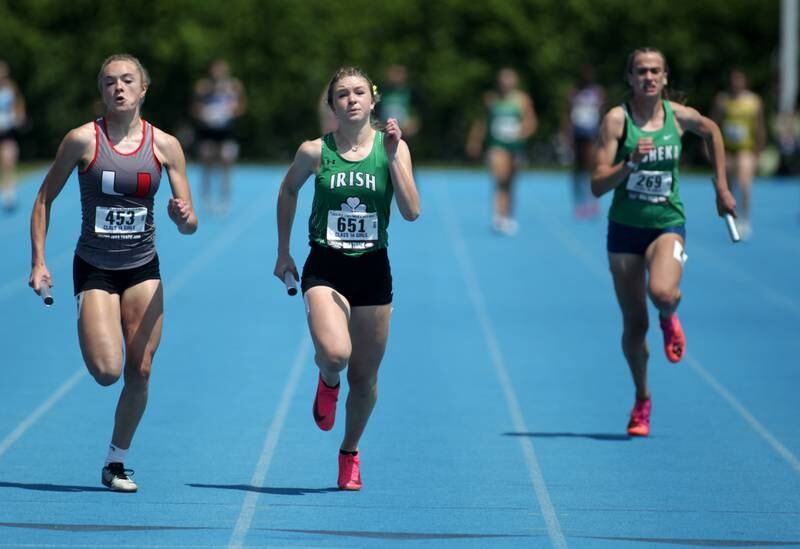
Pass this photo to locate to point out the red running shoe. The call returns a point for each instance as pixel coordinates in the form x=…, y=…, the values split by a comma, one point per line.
x=674, y=340
x=349, y=472
x=639, y=425
x=325, y=405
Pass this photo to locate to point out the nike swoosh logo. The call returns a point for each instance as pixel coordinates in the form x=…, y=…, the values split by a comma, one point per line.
x=668, y=136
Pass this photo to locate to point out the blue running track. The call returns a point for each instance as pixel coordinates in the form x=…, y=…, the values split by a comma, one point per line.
x=504, y=395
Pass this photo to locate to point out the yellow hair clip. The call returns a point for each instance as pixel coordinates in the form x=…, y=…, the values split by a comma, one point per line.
x=374, y=90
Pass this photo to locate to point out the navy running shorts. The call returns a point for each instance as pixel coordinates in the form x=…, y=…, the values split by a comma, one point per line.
x=626, y=239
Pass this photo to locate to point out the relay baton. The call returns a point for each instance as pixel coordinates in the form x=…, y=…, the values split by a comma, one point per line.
x=44, y=291
x=732, y=230
x=290, y=282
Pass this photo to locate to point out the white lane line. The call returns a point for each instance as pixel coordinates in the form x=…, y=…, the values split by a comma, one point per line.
x=26, y=424
x=498, y=362
x=762, y=431
x=217, y=246
x=221, y=243
x=735, y=273
x=695, y=364
x=270, y=443
x=575, y=246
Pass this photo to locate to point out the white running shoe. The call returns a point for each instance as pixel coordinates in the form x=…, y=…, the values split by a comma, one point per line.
x=115, y=477
x=510, y=226
x=505, y=225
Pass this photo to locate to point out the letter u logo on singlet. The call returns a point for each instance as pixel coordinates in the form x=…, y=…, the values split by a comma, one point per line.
x=108, y=180
x=142, y=189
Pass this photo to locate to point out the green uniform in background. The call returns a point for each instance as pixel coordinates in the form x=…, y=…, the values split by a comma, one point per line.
x=505, y=124
x=396, y=103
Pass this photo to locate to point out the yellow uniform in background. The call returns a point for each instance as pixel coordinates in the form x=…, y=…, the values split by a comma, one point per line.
x=740, y=119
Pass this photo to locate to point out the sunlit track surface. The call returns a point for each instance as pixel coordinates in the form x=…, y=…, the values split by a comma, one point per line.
x=503, y=398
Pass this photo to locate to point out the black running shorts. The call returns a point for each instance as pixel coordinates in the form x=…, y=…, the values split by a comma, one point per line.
x=363, y=280
x=88, y=277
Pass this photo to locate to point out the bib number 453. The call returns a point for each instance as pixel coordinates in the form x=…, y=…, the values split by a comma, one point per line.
x=121, y=217
x=120, y=220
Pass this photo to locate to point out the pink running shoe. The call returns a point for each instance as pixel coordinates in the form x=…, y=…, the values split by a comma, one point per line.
x=639, y=425
x=349, y=472
x=325, y=405
x=674, y=340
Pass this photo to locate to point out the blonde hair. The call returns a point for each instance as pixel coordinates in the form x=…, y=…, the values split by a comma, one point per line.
x=123, y=57
x=344, y=72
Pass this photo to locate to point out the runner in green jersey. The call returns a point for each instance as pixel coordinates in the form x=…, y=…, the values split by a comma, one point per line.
x=400, y=101
x=637, y=157
x=352, y=199
x=509, y=121
x=347, y=283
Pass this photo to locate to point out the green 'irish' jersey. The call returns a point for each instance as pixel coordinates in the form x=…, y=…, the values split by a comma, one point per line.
x=649, y=197
x=352, y=200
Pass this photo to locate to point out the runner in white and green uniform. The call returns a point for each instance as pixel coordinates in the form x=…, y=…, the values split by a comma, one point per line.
x=510, y=119
x=396, y=103
x=400, y=101
x=347, y=281
x=637, y=157
x=505, y=124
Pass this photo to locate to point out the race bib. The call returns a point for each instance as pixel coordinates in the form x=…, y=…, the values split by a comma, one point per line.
x=352, y=229
x=585, y=116
x=651, y=186
x=734, y=132
x=506, y=128
x=217, y=115
x=119, y=220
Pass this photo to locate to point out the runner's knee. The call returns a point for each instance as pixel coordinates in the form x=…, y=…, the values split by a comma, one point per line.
x=105, y=370
x=635, y=329
x=664, y=296
x=138, y=374
x=334, y=356
x=362, y=382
